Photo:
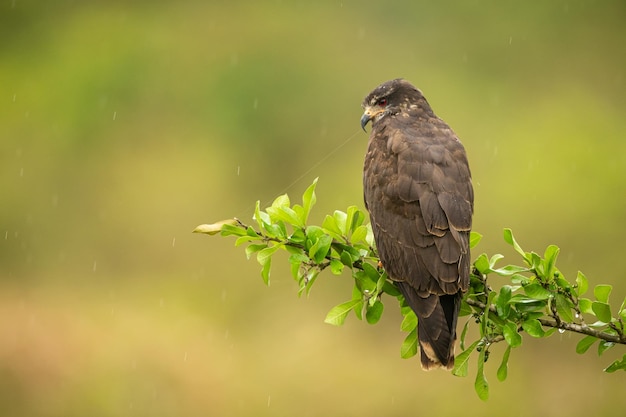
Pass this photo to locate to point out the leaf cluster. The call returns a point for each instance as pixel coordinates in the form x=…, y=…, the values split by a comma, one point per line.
x=536, y=300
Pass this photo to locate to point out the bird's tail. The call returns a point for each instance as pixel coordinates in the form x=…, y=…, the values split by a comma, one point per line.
x=436, y=327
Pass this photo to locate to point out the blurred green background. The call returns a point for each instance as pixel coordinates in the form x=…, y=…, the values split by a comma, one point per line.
x=123, y=125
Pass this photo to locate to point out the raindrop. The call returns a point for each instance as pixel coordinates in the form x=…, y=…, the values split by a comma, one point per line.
x=14, y=95
x=22, y=172
x=173, y=242
x=255, y=105
x=238, y=169
x=269, y=400
x=114, y=115
x=95, y=264
x=6, y=235
x=185, y=358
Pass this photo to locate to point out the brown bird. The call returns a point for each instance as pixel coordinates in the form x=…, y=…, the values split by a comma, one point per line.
x=418, y=190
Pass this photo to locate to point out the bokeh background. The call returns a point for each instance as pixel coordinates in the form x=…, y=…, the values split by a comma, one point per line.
x=123, y=125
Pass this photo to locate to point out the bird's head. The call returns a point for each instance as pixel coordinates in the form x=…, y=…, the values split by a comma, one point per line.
x=390, y=97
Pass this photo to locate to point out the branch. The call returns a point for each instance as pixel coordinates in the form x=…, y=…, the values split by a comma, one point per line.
x=572, y=327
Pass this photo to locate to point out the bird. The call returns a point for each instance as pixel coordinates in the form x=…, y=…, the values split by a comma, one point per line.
x=417, y=188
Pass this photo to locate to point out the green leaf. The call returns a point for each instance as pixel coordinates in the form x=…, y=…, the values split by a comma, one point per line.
x=510, y=270
x=502, y=302
x=251, y=249
x=585, y=343
x=484, y=319
x=617, y=365
x=264, y=255
x=508, y=238
x=285, y=214
x=536, y=291
x=533, y=260
x=330, y=226
x=480, y=384
x=245, y=239
x=564, y=308
x=602, y=292
x=281, y=201
x=474, y=239
x=308, y=201
x=320, y=248
x=602, y=311
x=461, y=361
x=307, y=283
x=581, y=283
x=503, y=369
x=494, y=259
x=604, y=345
x=275, y=230
x=337, y=315
x=389, y=288
x=358, y=296
x=354, y=219
x=371, y=272
x=463, y=334
x=482, y=264
x=369, y=239
x=512, y=337
x=265, y=271
x=374, y=312
x=465, y=310
x=524, y=304
x=364, y=282
x=260, y=217
x=533, y=328
x=584, y=304
x=346, y=258
x=336, y=266
x=409, y=322
x=409, y=346
x=359, y=234
x=340, y=220
x=550, y=256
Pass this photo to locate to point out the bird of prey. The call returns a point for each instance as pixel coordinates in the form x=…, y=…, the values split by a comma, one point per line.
x=418, y=191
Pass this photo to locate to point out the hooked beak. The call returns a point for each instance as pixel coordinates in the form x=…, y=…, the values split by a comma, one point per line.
x=365, y=119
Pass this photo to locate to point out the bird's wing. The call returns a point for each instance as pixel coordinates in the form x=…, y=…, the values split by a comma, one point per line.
x=418, y=191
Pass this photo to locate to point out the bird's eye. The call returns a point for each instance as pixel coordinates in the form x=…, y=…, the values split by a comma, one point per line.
x=382, y=102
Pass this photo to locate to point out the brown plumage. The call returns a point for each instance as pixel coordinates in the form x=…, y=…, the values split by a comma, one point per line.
x=418, y=191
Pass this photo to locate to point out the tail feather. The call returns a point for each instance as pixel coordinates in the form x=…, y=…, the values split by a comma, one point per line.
x=436, y=327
